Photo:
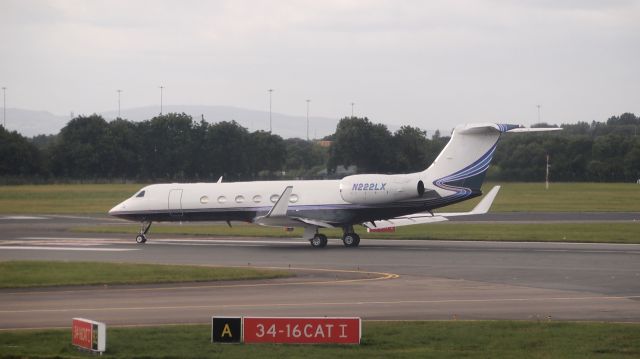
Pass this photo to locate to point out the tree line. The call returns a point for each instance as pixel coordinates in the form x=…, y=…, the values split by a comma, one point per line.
x=174, y=147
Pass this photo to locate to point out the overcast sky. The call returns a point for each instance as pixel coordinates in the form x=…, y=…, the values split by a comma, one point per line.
x=431, y=64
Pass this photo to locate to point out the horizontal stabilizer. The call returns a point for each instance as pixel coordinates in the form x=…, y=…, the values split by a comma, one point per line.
x=481, y=208
x=422, y=218
x=534, y=129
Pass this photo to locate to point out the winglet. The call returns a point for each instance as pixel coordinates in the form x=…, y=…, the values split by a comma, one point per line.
x=483, y=206
x=219, y=180
x=280, y=208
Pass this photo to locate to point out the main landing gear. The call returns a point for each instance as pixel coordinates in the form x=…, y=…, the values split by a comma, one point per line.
x=319, y=241
x=349, y=238
x=144, y=228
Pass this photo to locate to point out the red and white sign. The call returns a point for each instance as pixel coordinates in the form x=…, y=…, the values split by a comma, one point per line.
x=314, y=330
x=89, y=334
x=382, y=229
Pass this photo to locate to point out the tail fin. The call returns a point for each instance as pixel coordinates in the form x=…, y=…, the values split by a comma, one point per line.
x=463, y=163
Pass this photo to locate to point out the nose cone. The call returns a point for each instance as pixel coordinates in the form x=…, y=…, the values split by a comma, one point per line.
x=115, y=211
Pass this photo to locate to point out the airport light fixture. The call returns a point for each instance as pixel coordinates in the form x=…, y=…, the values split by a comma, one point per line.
x=538, y=106
x=352, y=104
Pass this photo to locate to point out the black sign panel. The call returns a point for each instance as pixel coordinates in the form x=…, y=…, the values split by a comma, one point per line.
x=226, y=329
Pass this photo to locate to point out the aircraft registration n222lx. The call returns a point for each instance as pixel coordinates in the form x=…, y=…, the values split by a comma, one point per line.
x=373, y=200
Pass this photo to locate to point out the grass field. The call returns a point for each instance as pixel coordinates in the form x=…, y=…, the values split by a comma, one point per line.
x=547, y=232
x=63, y=199
x=514, y=197
x=20, y=274
x=453, y=339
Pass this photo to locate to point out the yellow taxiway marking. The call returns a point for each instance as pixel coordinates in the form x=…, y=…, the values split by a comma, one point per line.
x=377, y=276
x=315, y=304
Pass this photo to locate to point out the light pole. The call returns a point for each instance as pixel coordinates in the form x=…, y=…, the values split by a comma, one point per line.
x=546, y=181
x=352, y=104
x=538, y=113
x=308, y=119
x=4, y=107
x=270, y=93
x=119, y=91
x=161, y=88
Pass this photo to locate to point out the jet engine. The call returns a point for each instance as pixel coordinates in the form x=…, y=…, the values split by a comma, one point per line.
x=373, y=188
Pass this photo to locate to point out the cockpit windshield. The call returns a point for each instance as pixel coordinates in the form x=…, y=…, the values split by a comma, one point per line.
x=140, y=195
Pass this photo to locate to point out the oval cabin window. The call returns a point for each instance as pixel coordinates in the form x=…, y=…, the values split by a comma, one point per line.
x=274, y=198
x=239, y=199
x=293, y=198
x=257, y=198
x=222, y=199
x=204, y=199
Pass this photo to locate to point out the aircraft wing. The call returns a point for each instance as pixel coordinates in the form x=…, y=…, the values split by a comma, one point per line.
x=421, y=218
x=277, y=216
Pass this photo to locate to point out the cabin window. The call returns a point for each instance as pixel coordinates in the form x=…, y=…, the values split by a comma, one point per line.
x=204, y=199
x=239, y=199
x=274, y=198
x=257, y=198
x=293, y=198
x=140, y=195
x=222, y=199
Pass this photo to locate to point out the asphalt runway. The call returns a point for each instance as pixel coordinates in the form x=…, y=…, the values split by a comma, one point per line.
x=382, y=279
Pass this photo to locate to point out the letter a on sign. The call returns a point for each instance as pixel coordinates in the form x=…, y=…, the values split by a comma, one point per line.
x=226, y=329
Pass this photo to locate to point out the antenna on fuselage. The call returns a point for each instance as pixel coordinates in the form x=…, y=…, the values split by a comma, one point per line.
x=219, y=180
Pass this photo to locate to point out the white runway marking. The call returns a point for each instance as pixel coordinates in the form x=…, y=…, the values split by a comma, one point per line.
x=177, y=241
x=331, y=304
x=92, y=249
x=226, y=241
x=23, y=217
x=89, y=239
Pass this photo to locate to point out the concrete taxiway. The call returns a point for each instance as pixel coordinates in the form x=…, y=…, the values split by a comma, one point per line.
x=379, y=280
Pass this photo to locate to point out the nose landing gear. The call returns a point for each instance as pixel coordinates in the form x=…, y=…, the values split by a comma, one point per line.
x=141, y=238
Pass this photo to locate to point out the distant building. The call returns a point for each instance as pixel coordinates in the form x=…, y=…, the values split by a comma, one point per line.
x=324, y=143
x=341, y=171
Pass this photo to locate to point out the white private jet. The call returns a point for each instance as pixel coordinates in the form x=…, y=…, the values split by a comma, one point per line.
x=374, y=200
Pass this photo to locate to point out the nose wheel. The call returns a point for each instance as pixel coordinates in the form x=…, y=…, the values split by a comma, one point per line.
x=141, y=238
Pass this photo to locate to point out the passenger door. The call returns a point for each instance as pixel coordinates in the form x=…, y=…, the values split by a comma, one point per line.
x=175, y=202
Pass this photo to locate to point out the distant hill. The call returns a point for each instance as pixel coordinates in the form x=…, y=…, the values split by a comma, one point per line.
x=31, y=123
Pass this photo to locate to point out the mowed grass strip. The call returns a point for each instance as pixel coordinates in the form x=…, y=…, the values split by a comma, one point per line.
x=453, y=339
x=513, y=197
x=606, y=232
x=64, y=198
x=23, y=274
